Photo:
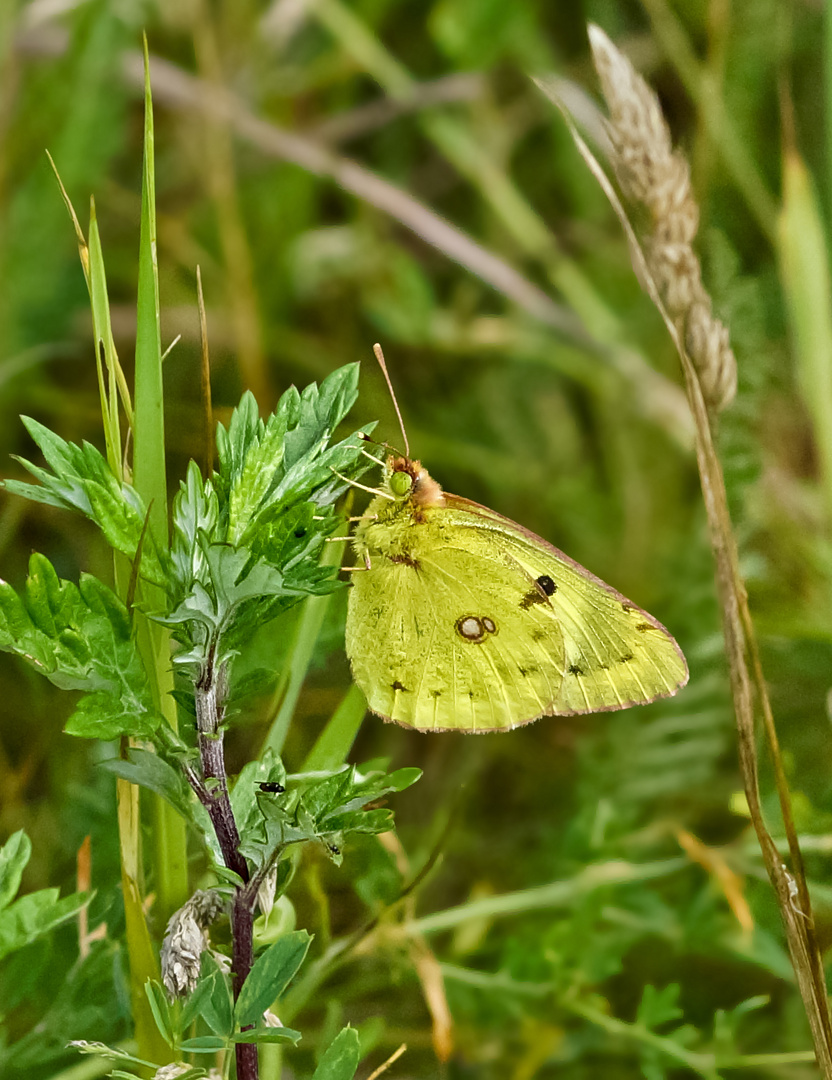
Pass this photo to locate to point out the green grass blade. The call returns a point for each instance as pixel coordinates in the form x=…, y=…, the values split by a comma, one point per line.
x=168, y=834
x=804, y=269
x=142, y=954
x=103, y=335
x=827, y=95
x=141, y=950
x=149, y=458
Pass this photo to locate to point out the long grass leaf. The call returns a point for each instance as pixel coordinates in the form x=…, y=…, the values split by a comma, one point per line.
x=168, y=849
x=804, y=270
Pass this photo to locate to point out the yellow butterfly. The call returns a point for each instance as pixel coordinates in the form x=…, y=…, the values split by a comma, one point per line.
x=462, y=620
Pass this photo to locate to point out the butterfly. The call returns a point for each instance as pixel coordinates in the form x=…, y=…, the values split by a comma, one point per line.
x=459, y=619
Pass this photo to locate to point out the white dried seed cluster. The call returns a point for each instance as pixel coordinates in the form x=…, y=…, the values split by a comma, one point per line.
x=186, y=940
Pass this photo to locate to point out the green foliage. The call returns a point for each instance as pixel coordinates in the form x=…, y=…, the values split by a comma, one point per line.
x=29, y=917
x=79, y=637
x=240, y=556
x=341, y=1058
x=246, y=543
x=152, y=771
x=323, y=807
x=270, y=976
x=82, y=480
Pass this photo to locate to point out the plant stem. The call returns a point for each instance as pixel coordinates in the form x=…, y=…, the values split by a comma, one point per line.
x=242, y=954
x=210, y=691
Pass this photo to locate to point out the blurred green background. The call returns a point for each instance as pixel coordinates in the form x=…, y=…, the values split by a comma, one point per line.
x=384, y=170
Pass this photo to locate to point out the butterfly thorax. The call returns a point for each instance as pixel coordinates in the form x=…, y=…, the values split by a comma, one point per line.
x=409, y=495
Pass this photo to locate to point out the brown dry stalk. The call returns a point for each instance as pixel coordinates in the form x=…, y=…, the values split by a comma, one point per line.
x=651, y=173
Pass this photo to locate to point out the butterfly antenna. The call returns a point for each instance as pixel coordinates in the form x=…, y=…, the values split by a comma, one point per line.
x=383, y=366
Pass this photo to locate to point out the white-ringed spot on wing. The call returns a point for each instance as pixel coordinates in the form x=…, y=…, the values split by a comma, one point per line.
x=475, y=628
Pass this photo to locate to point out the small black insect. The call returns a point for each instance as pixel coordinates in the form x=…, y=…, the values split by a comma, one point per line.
x=272, y=786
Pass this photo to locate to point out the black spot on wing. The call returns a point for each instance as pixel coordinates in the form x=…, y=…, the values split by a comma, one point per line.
x=399, y=686
x=544, y=587
x=576, y=669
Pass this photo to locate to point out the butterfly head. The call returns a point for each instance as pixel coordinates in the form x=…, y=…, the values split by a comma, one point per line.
x=410, y=480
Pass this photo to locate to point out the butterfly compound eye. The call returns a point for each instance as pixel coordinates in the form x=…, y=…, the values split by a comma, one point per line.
x=400, y=483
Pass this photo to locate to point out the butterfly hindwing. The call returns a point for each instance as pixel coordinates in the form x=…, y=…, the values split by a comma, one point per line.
x=453, y=647
x=616, y=654
x=466, y=621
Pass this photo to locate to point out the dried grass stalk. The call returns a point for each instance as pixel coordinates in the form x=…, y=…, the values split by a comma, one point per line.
x=653, y=174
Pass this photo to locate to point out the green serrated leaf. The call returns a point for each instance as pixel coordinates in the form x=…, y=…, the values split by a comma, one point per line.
x=341, y=1058
x=101, y=716
x=14, y=856
x=81, y=480
x=79, y=637
x=328, y=794
x=262, y=466
x=235, y=441
x=117, y=1053
x=247, y=543
x=271, y=974
x=195, y=524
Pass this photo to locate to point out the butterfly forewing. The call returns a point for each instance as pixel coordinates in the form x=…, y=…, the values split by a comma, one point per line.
x=616, y=654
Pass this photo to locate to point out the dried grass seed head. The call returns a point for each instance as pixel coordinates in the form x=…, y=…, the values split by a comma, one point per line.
x=651, y=173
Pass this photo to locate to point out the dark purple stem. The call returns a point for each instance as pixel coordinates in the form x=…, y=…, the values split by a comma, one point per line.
x=210, y=693
x=242, y=955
